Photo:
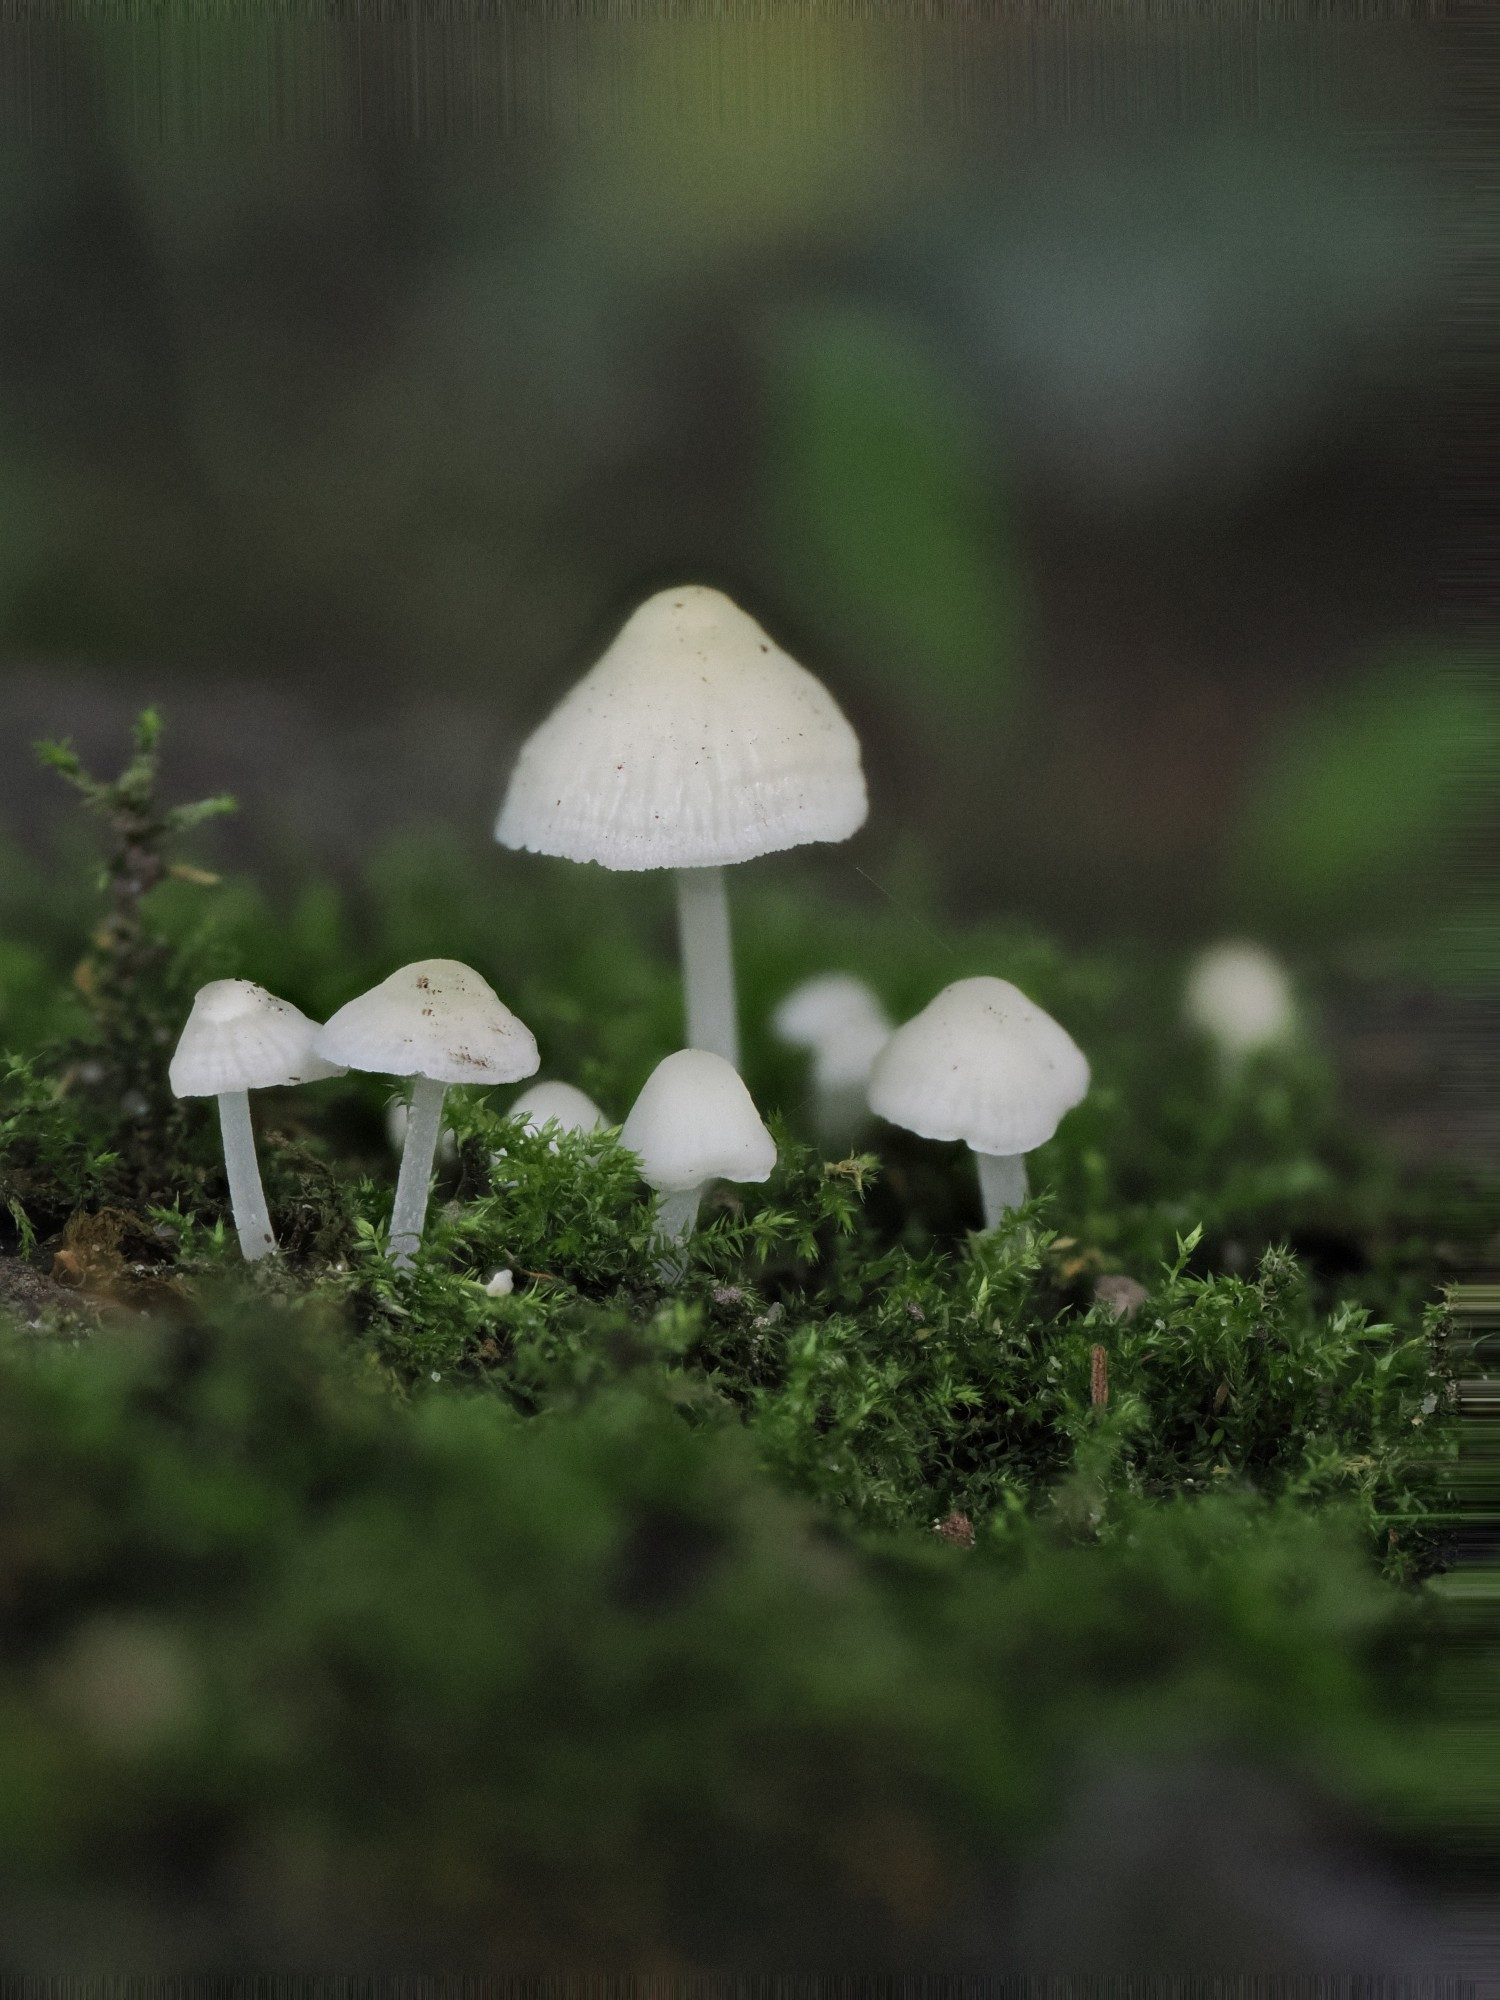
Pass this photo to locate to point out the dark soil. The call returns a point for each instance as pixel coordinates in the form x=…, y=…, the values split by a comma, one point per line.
x=30, y=1295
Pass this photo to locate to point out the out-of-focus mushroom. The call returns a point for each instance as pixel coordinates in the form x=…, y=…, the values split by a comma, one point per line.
x=559, y=1104
x=1120, y=1295
x=841, y=1021
x=1241, y=997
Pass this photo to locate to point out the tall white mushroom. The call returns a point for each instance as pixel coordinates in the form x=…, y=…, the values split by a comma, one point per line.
x=981, y=1063
x=841, y=1021
x=694, y=1122
x=694, y=743
x=439, y=1023
x=240, y=1038
x=1240, y=996
x=559, y=1104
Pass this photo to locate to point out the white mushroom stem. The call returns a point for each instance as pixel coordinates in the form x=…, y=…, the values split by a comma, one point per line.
x=247, y=1198
x=676, y=1219
x=707, y=963
x=839, y=1112
x=1002, y=1183
x=417, y=1155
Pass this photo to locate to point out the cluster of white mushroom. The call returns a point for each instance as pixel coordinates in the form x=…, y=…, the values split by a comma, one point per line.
x=695, y=743
x=435, y=1022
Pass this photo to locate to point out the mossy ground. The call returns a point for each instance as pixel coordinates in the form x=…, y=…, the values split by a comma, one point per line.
x=606, y=1620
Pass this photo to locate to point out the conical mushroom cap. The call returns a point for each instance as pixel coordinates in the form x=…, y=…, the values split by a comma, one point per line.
x=240, y=1037
x=695, y=742
x=557, y=1103
x=694, y=1121
x=980, y=1063
x=1240, y=996
x=436, y=1019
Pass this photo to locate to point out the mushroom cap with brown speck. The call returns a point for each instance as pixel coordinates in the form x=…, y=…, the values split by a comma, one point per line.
x=435, y=1018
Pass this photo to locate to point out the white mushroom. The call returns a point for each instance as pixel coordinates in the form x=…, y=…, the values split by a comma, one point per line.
x=559, y=1104
x=981, y=1063
x=439, y=1023
x=842, y=1022
x=694, y=1122
x=240, y=1038
x=1241, y=998
x=693, y=744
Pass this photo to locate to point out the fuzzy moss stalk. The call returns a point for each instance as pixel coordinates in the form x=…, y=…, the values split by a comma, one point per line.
x=125, y=977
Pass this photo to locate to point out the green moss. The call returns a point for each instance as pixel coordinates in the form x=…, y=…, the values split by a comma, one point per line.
x=607, y=1618
x=593, y=1685
x=884, y=1359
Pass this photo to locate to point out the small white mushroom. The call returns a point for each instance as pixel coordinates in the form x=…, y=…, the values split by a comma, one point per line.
x=981, y=1063
x=694, y=743
x=841, y=1021
x=1121, y=1296
x=1241, y=997
x=439, y=1023
x=560, y=1104
x=694, y=1122
x=240, y=1038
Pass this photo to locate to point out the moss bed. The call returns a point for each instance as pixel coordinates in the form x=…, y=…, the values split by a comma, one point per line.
x=770, y=1617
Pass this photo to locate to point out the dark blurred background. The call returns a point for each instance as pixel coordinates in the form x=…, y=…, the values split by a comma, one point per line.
x=1085, y=400
x=1079, y=402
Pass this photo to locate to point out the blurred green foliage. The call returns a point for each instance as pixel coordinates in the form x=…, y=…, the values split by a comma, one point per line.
x=588, y=1691
x=1011, y=432
x=1371, y=800
x=886, y=525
